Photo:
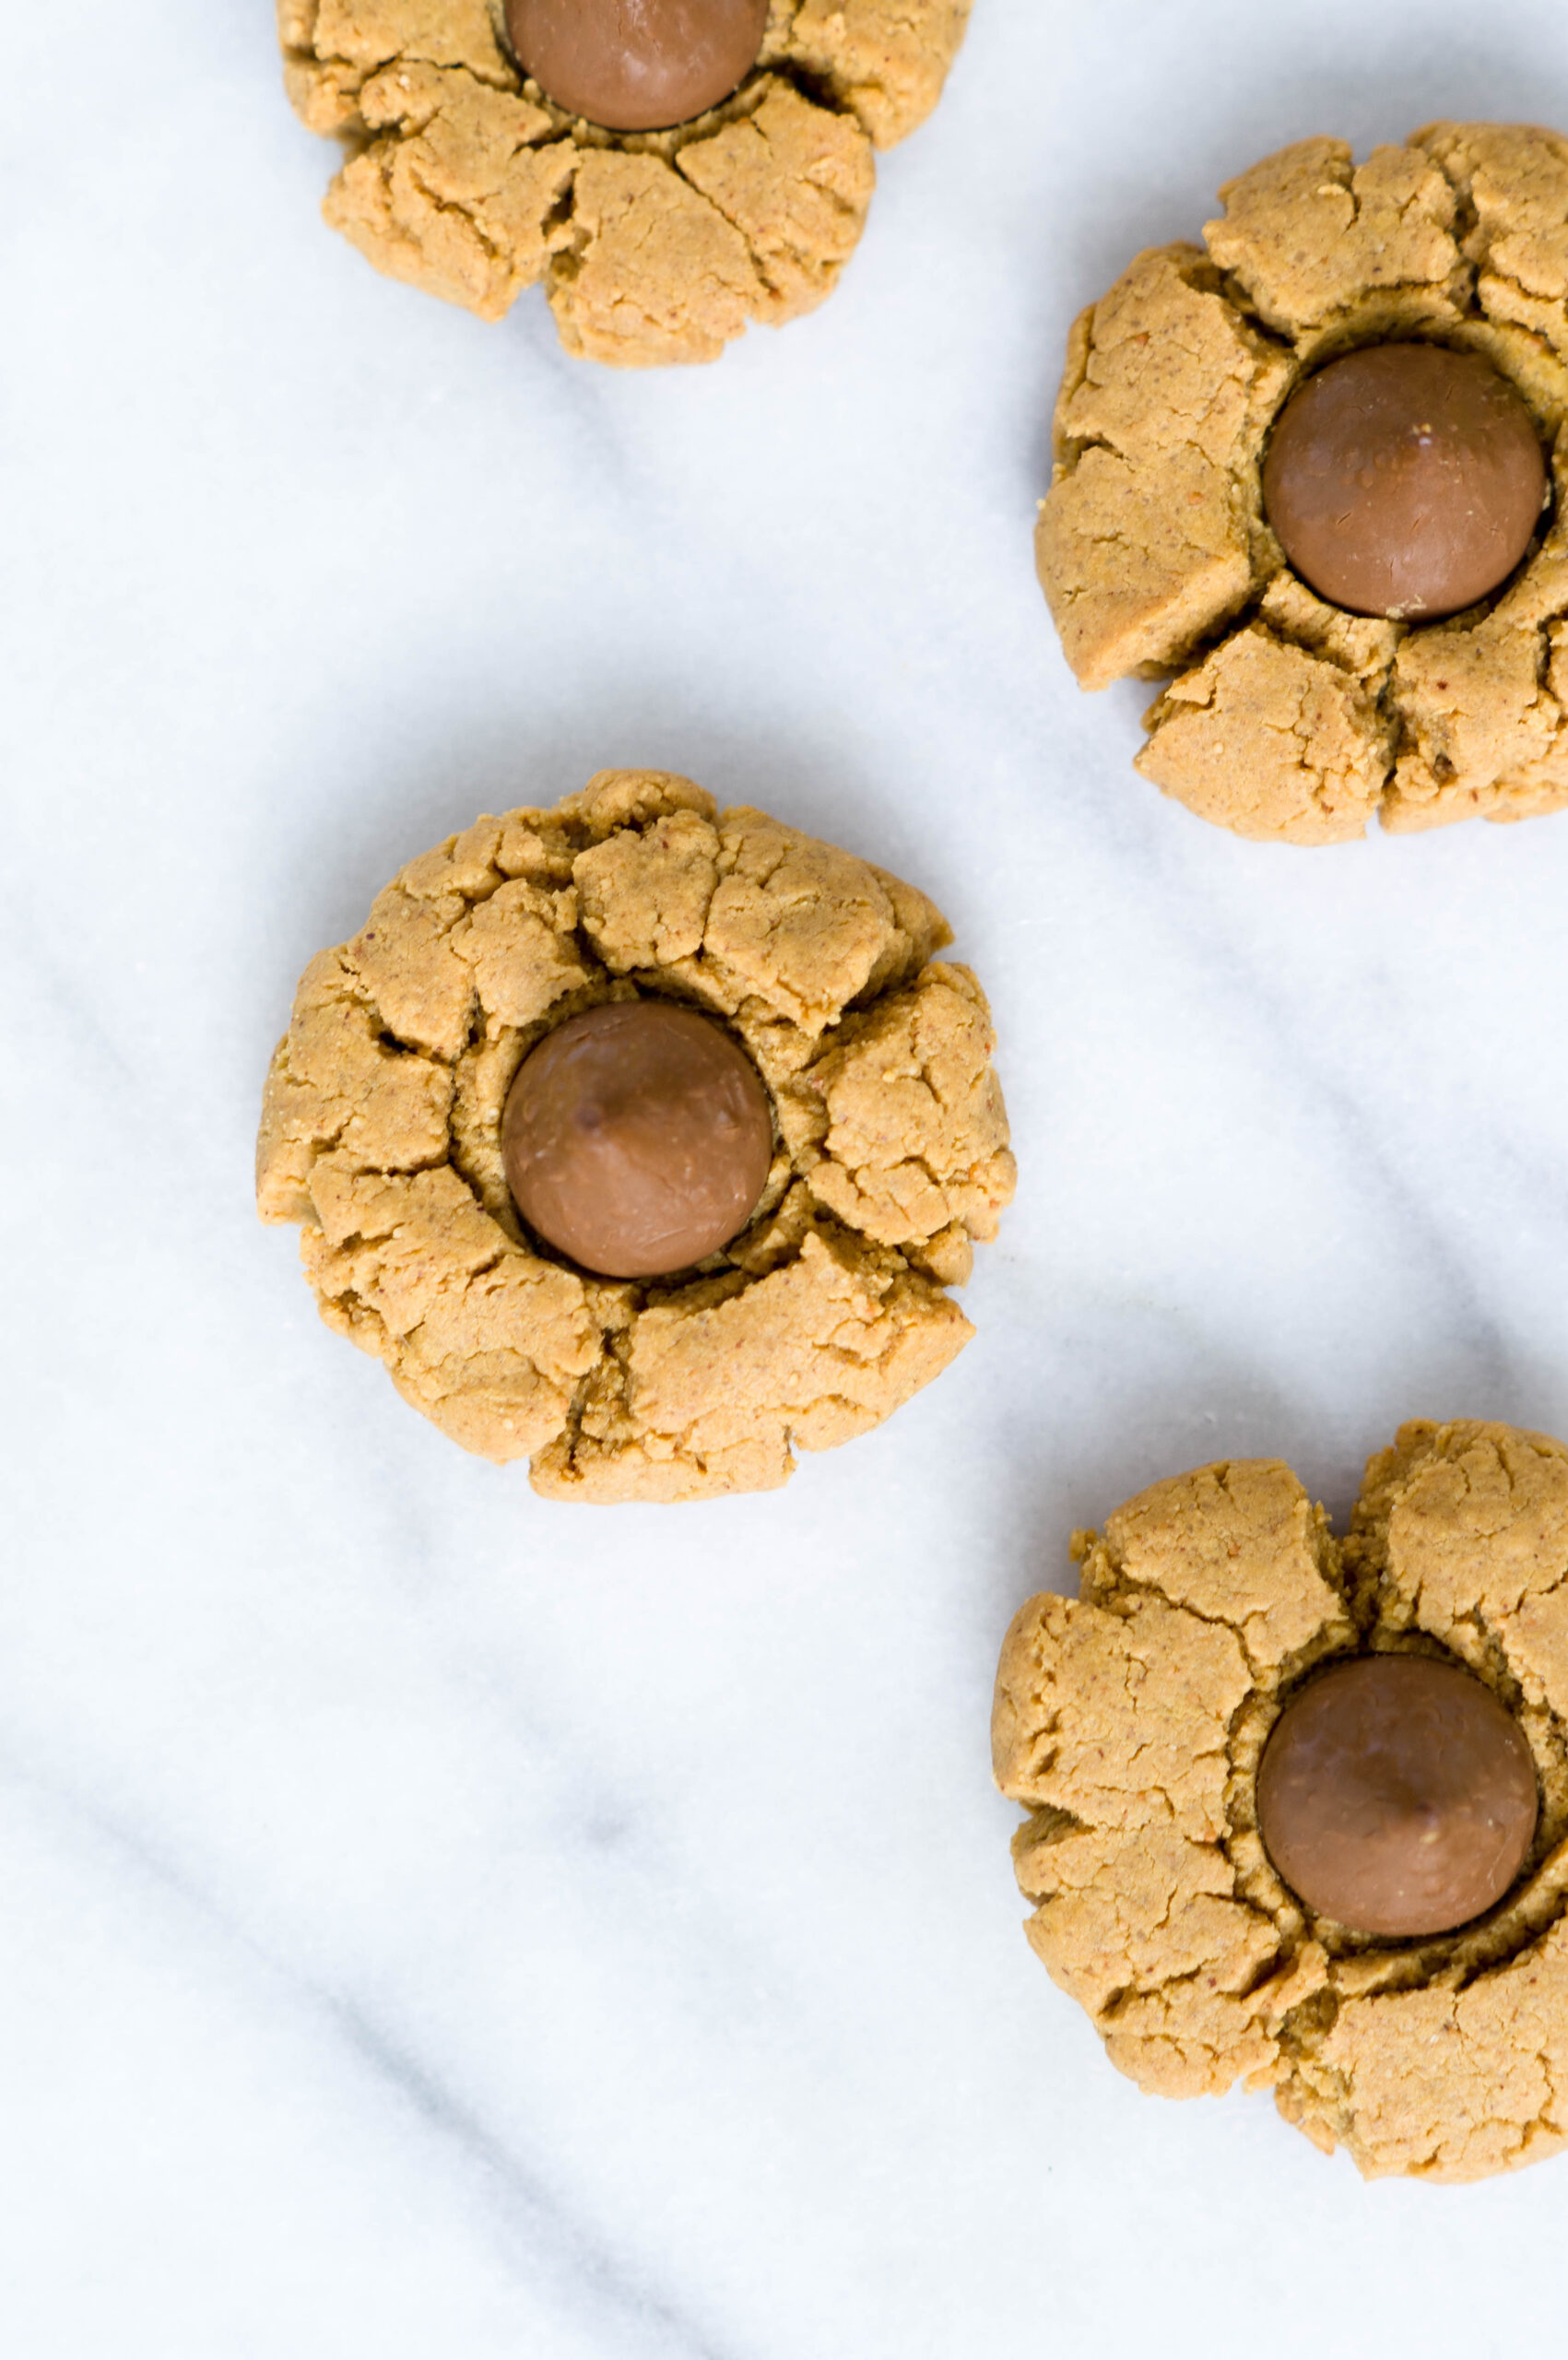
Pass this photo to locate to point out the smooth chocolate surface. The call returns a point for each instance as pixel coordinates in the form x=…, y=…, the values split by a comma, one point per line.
x=637, y=1139
x=1404, y=480
x=1398, y=1796
x=637, y=64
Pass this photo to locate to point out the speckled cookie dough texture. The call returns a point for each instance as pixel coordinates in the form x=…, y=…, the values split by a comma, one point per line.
x=1129, y=1723
x=381, y=1135
x=1288, y=719
x=463, y=178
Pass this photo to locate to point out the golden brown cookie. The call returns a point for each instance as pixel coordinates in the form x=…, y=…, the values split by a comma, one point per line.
x=1130, y=1723
x=381, y=1135
x=464, y=179
x=1288, y=719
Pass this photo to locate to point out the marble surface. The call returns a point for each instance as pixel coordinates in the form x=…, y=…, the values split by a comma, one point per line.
x=436, y=1923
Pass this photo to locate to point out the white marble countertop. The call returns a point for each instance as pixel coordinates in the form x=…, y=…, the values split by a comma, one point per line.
x=440, y=1925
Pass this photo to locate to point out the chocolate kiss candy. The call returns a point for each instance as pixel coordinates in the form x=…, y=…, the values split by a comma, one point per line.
x=1404, y=480
x=1397, y=1794
x=637, y=1139
x=637, y=64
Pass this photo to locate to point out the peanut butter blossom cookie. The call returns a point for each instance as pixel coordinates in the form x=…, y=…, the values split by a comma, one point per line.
x=1299, y=1805
x=1312, y=474
x=640, y=1140
x=671, y=169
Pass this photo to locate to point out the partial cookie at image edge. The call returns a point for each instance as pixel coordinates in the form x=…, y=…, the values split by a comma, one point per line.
x=463, y=178
x=1130, y=1724
x=1284, y=718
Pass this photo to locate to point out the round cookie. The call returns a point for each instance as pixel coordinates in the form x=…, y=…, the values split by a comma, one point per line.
x=1131, y=1723
x=382, y=1136
x=466, y=179
x=1288, y=718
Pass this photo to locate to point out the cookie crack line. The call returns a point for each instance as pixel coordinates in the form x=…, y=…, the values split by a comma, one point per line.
x=1134, y=1752
x=464, y=178
x=1148, y=571
x=826, y=1313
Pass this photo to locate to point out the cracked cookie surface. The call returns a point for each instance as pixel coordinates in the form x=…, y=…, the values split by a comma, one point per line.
x=381, y=1135
x=1288, y=719
x=464, y=179
x=1129, y=1722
